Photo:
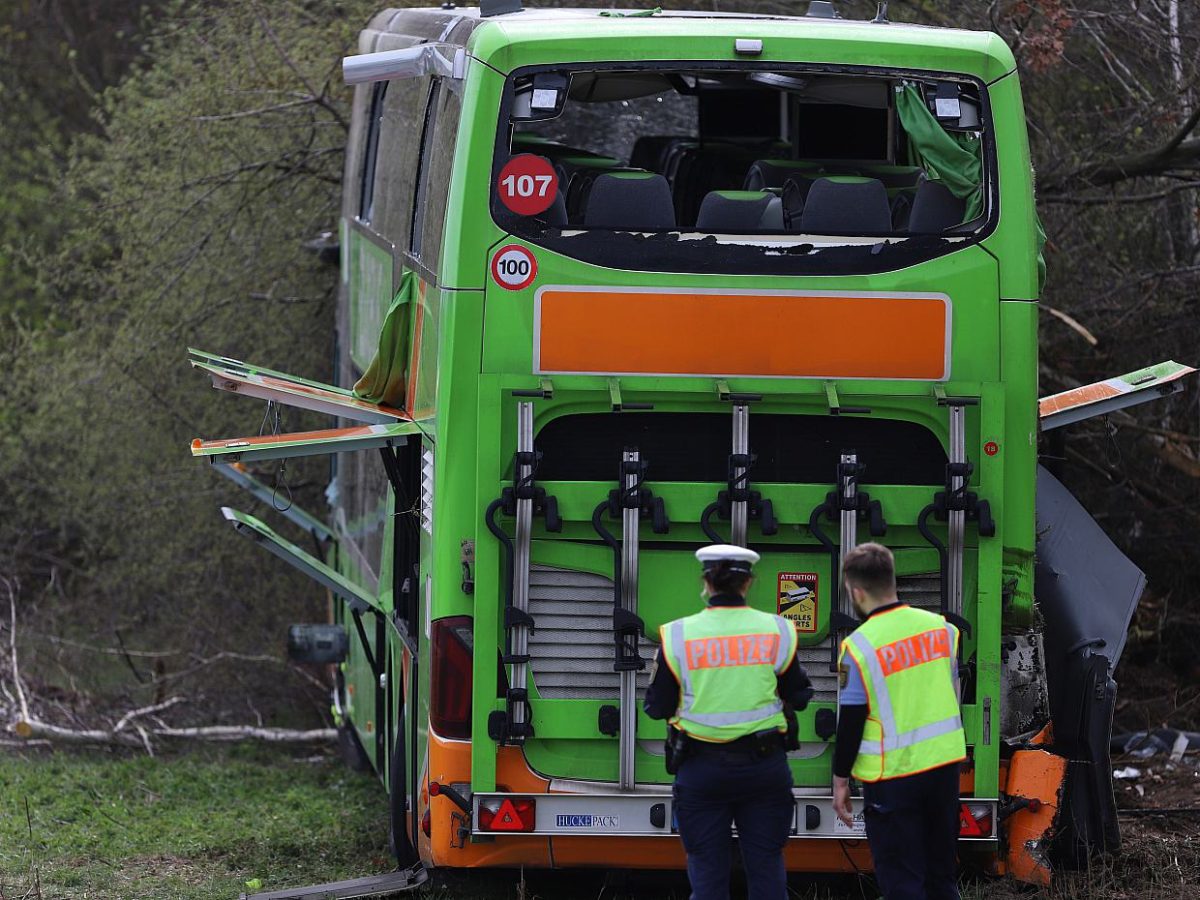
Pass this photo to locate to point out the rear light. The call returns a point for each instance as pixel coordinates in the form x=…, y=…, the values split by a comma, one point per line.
x=451, y=647
x=427, y=824
x=512, y=814
x=975, y=820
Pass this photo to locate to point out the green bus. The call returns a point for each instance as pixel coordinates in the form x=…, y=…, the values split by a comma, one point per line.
x=616, y=284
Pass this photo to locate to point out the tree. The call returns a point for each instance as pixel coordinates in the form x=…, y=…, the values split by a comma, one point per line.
x=210, y=164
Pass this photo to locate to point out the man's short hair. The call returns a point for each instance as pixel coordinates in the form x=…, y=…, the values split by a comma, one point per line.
x=872, y=568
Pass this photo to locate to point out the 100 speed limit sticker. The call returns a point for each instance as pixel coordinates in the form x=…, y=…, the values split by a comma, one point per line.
x=514, y=267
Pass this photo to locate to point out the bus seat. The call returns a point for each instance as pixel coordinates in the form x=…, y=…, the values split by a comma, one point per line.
x=713, y=167
x=556, y=215
x=902, y=202
x=935, y=208
x=774, y=173
x=894, y=176
x=637, y=201
x=846, y=203
x=740, y=211
x=649, y=151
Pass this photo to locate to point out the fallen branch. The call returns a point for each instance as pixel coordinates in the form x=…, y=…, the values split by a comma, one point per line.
x=129, y=730
x=1071, y=322
x=47, y=732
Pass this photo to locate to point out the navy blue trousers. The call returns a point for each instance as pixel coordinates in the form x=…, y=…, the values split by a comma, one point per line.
x=912, y=827
x=717, y=788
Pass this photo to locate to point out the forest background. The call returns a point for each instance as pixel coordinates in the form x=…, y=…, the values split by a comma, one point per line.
x=163, y=164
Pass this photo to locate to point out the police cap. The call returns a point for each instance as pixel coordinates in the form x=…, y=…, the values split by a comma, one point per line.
x=739, y=559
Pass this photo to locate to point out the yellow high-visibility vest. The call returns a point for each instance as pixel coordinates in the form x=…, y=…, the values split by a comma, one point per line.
x=726, y=660
x=908, y=659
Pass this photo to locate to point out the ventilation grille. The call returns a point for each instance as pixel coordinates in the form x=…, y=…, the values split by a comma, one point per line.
x=427, y=489
x=921, y=591
x=815, y=660
x=571, y=647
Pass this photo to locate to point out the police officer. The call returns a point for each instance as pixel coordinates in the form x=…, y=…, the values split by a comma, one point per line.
x=899, y=732
x=737, y=667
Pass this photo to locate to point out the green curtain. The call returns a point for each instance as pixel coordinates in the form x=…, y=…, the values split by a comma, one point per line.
x=383, y=382
x=955, y=159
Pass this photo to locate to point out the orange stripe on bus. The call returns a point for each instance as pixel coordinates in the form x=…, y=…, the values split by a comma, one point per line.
x=1089, y=393
x=693, y=333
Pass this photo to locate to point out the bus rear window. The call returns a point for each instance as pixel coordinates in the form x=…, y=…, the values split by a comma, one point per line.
x=739, y=164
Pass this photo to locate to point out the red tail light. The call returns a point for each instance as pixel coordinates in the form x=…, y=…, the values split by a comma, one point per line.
x=975, y=820
x=451, y=647
x=513, y=814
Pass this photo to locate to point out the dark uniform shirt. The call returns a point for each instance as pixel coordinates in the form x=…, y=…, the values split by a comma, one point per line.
x=662, y=696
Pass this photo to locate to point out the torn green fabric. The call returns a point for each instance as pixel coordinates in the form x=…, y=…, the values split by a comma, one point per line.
x=954, y=159
x=383, y=382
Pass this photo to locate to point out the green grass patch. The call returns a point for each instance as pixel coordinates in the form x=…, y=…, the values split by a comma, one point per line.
x=196, y=825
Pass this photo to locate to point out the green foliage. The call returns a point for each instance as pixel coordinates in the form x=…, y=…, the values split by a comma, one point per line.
x=193, y=826
x=215, y=160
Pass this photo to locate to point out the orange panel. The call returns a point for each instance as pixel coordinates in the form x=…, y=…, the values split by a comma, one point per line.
x=814, y=335
x=450, y=761
x=1033, y=775
x=1081, y=396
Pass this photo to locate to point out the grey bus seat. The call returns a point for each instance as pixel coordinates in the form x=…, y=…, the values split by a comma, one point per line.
x=935, y=208
x=894, y=176
x=556, y=215
x=637, y=201
x=846, y=204
x=740, y=211
x=774, y=173
x=649, y=151
x=580, y=187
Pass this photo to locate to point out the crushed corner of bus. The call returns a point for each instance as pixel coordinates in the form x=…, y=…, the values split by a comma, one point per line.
x=617, y=285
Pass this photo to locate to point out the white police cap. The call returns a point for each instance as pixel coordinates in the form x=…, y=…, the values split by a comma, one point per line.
x=738, y=557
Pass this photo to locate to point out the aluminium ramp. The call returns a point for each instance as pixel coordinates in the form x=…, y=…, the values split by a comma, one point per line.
x=1103, y=397
x=386, y=885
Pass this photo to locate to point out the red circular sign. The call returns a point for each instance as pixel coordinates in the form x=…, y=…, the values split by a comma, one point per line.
x=527, y=184
x=991, y=448
x=514, y=267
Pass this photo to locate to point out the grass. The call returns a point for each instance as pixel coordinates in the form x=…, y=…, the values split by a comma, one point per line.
x=197, y=825
x=201, y=824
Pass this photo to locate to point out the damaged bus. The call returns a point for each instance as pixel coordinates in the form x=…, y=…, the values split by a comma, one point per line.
x=616, y=284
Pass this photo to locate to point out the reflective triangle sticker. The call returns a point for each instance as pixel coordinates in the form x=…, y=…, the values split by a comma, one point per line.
x=967, y=826
x=507, y=818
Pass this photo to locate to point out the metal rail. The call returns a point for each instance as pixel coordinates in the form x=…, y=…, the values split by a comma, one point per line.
x=630, y=518
x=522, y=478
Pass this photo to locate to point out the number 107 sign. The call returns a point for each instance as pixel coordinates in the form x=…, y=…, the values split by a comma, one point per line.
x=527, y=184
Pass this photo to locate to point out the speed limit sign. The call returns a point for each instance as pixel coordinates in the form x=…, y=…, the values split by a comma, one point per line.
x=514, y=267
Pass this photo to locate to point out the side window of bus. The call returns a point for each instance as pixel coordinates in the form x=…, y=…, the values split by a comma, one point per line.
x=437, y=160
x=391, y=161
x=366, y=201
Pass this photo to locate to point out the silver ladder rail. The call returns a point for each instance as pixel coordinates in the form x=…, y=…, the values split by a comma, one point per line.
x=739, y=512
x=848, y=533
x=630, y=519
x=523, y=474
x=957, y=517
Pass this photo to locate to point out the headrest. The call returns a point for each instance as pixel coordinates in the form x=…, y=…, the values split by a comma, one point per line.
x=635, y=201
